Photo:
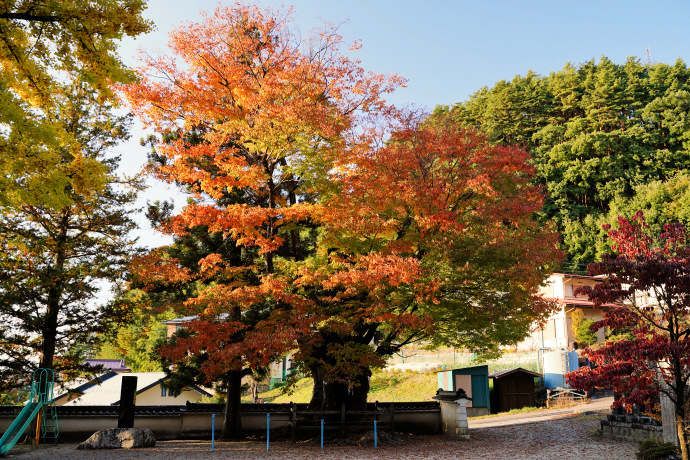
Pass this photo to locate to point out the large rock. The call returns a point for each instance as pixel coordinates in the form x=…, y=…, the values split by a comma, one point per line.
x=119, y=438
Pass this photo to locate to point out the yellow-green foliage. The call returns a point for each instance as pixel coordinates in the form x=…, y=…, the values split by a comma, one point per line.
x=45, y=47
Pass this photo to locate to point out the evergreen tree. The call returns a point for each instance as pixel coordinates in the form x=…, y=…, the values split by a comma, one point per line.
x=662, y=202
x=594, y=132
x=53, y=261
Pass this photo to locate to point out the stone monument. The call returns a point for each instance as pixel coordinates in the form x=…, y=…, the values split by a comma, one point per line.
x=454, y=413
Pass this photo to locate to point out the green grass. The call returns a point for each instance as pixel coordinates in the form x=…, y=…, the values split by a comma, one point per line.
x=384, y=387
x=403, y=386
x=300, y=392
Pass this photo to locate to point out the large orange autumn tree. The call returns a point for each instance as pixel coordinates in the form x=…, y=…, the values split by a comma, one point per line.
x=254, y=120
x=352, y=241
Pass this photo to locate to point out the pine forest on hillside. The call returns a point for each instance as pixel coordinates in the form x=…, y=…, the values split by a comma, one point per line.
x=601, y=136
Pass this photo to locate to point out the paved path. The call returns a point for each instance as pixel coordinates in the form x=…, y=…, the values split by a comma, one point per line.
x=597, y=405
x=569, y=436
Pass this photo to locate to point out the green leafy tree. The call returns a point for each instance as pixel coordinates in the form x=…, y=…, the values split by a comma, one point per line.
x=663, y=202
x=53, y=259
x=581, y=330
x=136, y=340
x=594, y=131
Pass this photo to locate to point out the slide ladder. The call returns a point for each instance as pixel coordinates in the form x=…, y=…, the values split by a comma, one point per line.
x=41, y=397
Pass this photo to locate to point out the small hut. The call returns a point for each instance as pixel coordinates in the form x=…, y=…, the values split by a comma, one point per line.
x=474, y=381
x=513, y=389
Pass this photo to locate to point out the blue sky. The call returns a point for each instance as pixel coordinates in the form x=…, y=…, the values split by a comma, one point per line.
x=449, y=49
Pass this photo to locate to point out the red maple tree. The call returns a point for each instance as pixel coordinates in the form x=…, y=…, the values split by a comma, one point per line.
x=429, y=237
x=649, y=278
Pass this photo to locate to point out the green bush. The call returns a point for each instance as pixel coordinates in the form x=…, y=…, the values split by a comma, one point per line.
x=656, y=450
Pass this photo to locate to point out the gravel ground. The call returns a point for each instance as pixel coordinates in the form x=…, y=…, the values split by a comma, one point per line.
x=566, y=438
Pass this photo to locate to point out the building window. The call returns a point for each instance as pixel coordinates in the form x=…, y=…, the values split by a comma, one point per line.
x=164, y=391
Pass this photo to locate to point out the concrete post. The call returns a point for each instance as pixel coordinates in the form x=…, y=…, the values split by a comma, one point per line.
x=668, y=418
x=462, y=430
x=668, y=410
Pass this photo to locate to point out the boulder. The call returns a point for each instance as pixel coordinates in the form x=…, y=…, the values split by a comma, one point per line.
x=119, y=438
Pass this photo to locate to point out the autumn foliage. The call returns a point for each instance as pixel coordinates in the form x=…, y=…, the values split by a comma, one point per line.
x=649, y=278
x=46, y=48
x=429, y=237
x=254, y=123
x=348, y=228
x=55, y=260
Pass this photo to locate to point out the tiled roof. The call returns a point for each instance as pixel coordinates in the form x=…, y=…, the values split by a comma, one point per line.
x=580, y=277
x=187, y=319
x=578, y=302
x=114, y=410
x=110, y=364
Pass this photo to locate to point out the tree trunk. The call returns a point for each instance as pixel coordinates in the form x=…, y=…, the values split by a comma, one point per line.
x=232, y=428
x=49, y=332
x=352, y=394
x=335, y=394
x=50, y=322
x=359, y=392
x=680, y=427
x=318, y=395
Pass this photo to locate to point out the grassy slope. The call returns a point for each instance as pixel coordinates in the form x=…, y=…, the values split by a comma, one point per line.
x=384, y=387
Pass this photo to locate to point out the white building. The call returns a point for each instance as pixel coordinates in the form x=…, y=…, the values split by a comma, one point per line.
x=557, y=331
x=105, y=391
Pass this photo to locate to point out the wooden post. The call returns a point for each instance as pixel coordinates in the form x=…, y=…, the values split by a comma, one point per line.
x=128, y=395
x=342, y=420
x=392, y=418
x=294, y=422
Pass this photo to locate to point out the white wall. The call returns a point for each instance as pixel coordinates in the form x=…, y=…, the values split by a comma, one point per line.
x=153, y=397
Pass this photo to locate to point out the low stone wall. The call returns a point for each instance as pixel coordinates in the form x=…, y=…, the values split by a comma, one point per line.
x=477, y=411
x=631, y=427
x=422, y=421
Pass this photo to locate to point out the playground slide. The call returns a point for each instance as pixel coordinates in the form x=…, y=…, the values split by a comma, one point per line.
x=20, y=424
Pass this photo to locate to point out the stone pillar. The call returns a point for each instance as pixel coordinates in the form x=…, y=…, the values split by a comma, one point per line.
x=668, y=410
x=128, y=396
x=668, y=417
x=462, y=430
